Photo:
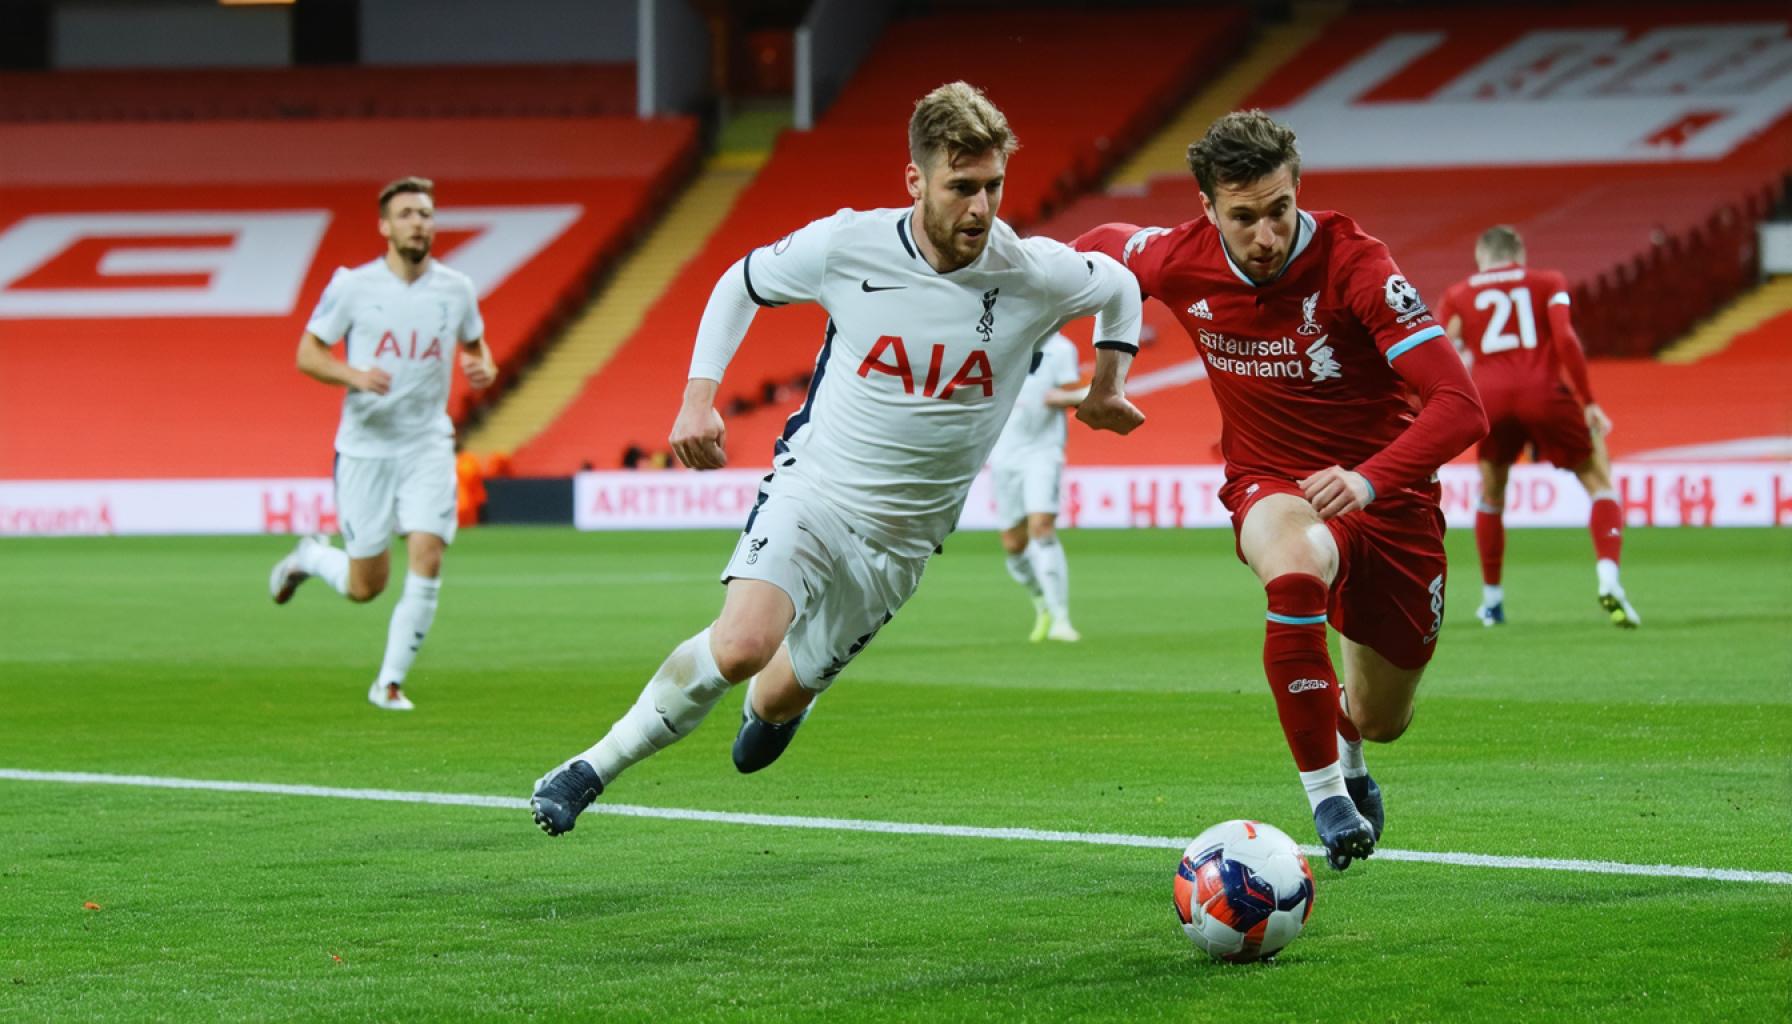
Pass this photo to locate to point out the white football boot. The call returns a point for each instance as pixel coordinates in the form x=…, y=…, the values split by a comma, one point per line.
x=389, y=696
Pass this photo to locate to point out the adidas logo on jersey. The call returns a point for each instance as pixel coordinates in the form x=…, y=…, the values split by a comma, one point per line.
x=1200, y=309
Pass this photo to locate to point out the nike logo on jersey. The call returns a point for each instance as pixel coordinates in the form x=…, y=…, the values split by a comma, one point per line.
x=869, y=287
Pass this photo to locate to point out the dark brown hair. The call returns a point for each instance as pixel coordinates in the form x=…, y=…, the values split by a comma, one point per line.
x=403, y=185
x=957, y=120
x=1242, y=147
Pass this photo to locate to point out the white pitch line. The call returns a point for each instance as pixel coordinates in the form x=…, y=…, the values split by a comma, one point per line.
x=1470, y=860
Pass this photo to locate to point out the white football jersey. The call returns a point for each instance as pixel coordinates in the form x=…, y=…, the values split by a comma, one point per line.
x=1034, y=426
x=919, y=369
x=412, y=331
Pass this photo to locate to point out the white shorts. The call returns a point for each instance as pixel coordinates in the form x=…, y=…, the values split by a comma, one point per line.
x=843, y=587
x=376, y=498
x=1027, y=484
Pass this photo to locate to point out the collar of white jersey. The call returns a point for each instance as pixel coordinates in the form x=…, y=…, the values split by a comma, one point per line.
x=914, y=249
x=1303, y=234
x=429, y=267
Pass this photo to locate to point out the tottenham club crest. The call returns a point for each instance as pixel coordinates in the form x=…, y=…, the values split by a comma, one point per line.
x=987, y=324
x=1401, y=296
x=1308, y=307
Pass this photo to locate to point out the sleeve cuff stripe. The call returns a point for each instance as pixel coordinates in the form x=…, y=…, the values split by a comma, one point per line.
x=1414, y=342
x=1126, y=347
x=746, y=273
x=1559, y=299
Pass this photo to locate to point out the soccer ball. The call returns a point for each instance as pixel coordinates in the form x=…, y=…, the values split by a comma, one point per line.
x=1243, y=891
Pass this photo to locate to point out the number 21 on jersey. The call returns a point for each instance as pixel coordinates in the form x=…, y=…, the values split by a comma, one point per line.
x=1511, y=308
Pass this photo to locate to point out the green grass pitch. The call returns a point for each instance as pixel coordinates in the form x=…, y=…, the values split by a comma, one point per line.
x=1556, y=736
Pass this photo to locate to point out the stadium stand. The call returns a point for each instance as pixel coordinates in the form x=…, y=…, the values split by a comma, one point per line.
x=138, y=347
x=1070, y=134
x=568, y=90
x=1730, y=406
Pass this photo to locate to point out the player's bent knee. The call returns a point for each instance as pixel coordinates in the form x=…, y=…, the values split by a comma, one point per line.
x=741, y=655
x=366, y=583
x=363, y=592
x=1383, y=729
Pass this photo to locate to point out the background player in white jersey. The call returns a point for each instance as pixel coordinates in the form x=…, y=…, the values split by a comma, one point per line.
x=1026, y=468
x=935, y=313
x=403, y=317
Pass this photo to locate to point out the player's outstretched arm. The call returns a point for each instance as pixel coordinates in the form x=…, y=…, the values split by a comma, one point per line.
x=477, y=363
x=1066, y=398
x=315, y=361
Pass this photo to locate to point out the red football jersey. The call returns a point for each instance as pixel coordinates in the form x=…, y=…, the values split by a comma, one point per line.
x=1304, y=367
x=1515, y=325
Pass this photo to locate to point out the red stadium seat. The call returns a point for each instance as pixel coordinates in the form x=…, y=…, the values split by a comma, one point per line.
x=190, y=394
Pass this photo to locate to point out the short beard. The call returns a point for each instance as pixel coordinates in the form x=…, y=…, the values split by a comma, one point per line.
x=945, y=238
x=414, y=254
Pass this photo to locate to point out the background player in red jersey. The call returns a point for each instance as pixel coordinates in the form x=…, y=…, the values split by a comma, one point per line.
x=1314, y=343
x=1514, y=329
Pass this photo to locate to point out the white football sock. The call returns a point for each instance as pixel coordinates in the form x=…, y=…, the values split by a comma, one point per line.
x=1608, y=576
x=1324, y=784
x=411, y=617
x=1350, y=758
x=1350, y=752
x=1492, y=594
x=1049, y=565
x=1021, y=568
x=674, y=702
x=327, y=563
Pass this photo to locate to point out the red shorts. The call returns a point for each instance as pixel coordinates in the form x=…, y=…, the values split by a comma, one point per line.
x=1389, y=592
x=1549, y=418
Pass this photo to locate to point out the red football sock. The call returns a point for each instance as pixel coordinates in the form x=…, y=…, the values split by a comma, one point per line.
x=1490, y=539
x=1607, y=526
x=1300, y=669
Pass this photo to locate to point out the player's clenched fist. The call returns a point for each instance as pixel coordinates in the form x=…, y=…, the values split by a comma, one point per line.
x=479, y=368
x=699, y=439
x=1110, y=412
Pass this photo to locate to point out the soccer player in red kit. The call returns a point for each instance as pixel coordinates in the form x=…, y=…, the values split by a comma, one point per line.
x=1319, y=352
x=1513, y=327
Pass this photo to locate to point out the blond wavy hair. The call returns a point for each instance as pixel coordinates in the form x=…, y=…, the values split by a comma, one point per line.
x=954, y=121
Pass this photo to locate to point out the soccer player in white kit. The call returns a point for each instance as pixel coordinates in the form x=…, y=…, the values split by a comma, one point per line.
x=935, y=313
x=1026, y=468
x=403, y=318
